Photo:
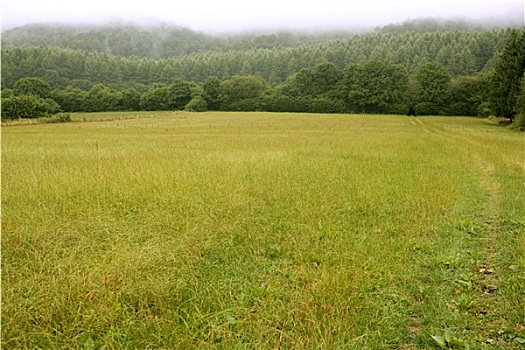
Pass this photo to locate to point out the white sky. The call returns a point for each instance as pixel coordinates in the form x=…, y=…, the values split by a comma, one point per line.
x=234, y=15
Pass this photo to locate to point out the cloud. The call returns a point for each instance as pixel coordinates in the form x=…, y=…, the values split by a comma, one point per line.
x=236, y=15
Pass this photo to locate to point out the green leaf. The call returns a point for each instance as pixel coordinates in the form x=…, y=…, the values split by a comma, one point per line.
x=117, y=306
x=440, y=340
x=448, y=337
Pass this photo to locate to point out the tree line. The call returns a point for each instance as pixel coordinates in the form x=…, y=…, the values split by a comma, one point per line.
x=167, y=40
x=462, y=53
x=157, y=41
x=93, y=82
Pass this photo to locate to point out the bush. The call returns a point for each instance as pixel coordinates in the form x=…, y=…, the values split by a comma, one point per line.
x=283, y=103
x=100, y=98
x=461, y=108
x=325, y=105
x=197, y=104
x=484, y=110
x=519, y=122
x=59, y=118
x=428, y=108
x=238, y=90
x=70, y=99
x=28, y=106
x=156, y=99
x=32, y=86
x=246, y=105
x=399, y=109
x=8, y=93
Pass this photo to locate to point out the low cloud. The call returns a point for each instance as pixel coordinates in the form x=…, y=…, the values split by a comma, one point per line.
x=229, y=15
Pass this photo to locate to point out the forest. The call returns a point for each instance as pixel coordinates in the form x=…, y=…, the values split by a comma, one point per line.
x=420, y=68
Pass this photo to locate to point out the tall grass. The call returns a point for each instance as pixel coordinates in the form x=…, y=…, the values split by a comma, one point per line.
x=258, y=230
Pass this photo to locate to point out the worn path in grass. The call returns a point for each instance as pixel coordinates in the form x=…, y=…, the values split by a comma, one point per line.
x=490, y=304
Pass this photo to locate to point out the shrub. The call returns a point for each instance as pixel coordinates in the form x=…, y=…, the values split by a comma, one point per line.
x=519, y=122
x=156, y=99
x=283, y=103
x=28, y=106
x=59, y=118
x=484, y=110
x=427, y=108
x=197, y=104
x=461, y=108
x=246, y=105
x=32, y=86
x=325, y=105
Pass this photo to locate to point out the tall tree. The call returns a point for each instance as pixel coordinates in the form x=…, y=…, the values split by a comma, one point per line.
x=32, y=86
x=240, y=88
x=468, y=95
x=505, y=83
x=211, y=93
x=376, y=87
x=156, y=99
x=100, y=98
x=322, y=80
x=179, y=94
x=520, y=106
x=432, y=81
x=130, y=100
x=28, y=106
x=70, y=99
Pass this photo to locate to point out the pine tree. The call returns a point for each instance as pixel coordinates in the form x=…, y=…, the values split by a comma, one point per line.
x=505, y=83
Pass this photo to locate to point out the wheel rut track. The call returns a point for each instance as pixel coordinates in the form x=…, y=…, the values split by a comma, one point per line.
x=488, y=279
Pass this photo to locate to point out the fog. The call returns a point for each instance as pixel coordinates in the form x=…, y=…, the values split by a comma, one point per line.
x=214, y=16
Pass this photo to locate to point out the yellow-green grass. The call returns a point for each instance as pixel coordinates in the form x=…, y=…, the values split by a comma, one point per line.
x=262, y=231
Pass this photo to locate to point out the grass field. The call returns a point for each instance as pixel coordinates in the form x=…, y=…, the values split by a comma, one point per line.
x=263, y=231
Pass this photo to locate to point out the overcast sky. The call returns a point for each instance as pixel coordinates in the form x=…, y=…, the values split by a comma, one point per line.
x=235, y=15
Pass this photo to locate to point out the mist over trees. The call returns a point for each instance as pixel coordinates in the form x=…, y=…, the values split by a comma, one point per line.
x=392, y=70
x=156, y=41
x=462, y=53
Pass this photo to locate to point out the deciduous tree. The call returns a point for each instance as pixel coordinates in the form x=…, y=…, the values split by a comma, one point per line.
x=376, y=87
x=179, y=94
x=211, y=92
x=28, y=106
x=433, y=85
x=32, y=86
x=240, y=88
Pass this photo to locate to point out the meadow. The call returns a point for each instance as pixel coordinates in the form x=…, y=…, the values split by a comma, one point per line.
x=263, y=231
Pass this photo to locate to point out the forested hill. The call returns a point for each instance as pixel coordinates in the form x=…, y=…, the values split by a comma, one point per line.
x=156, y=41
x=450, y=72
x=168, y=40
x=462, y=53
x=430, y=25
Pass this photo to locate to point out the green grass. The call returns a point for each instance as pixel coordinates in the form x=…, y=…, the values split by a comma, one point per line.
x=263, y=231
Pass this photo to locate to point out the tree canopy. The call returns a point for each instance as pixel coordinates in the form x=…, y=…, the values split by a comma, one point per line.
x=446, y=72
x=462, y=53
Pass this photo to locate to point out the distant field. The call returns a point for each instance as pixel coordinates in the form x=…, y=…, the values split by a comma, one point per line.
x=263, y=231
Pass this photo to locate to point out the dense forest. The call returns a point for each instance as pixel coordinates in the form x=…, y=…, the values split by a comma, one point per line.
x=462, y=53
x=165, y=40
x=420, y=67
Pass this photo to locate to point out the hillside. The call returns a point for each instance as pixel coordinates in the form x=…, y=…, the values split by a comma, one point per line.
x=168, y=40
x=430, y=25
x=157, y=41
x=462, y=53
